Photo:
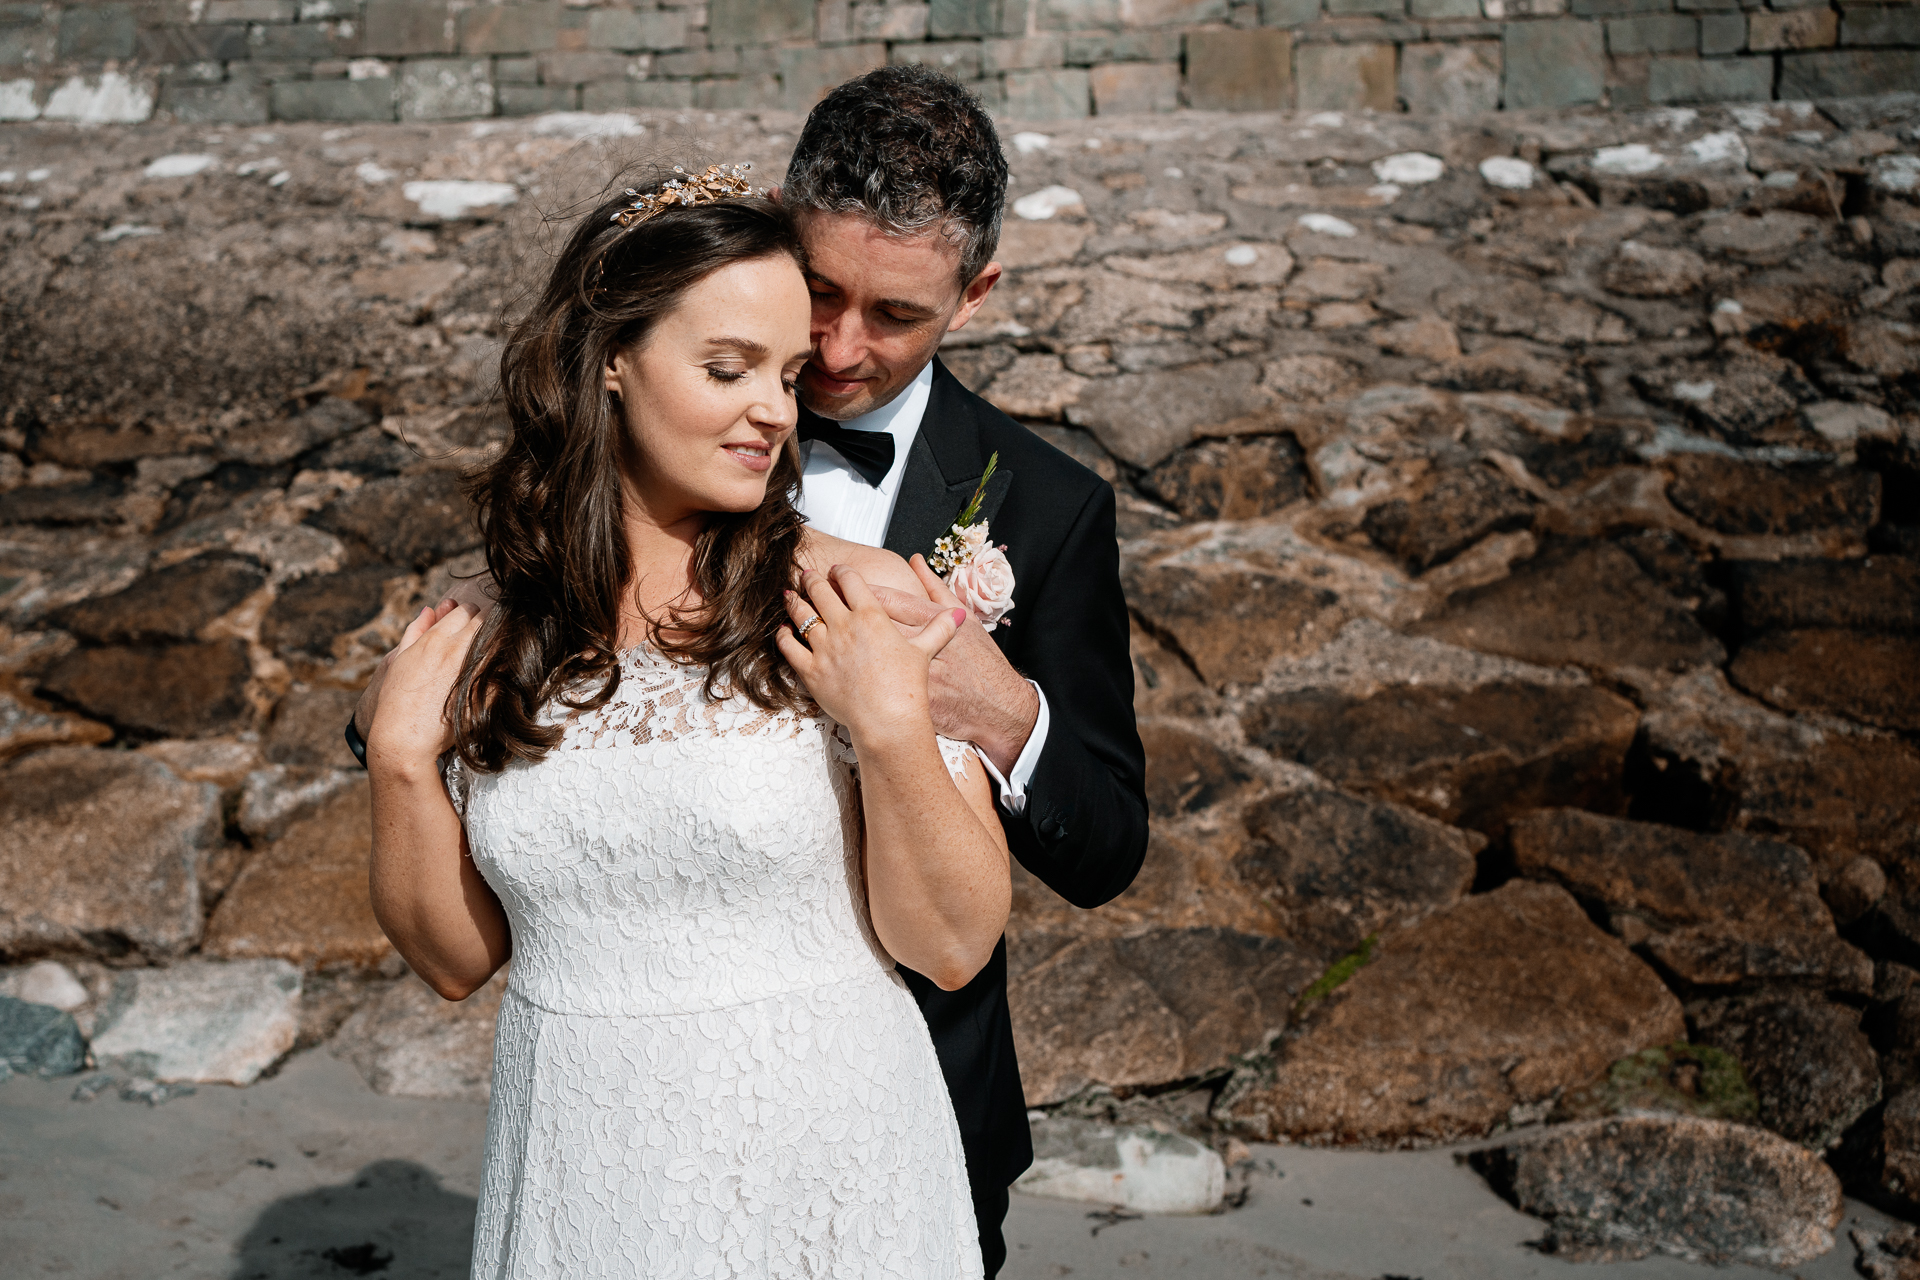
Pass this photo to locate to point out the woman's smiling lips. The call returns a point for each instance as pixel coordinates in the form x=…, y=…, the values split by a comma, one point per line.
x=756, y=456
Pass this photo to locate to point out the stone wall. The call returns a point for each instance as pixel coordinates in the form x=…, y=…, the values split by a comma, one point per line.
x=1519, y=518
x=250, y=61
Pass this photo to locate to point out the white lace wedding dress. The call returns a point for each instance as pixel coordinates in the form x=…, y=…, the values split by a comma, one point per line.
x=705, y=1063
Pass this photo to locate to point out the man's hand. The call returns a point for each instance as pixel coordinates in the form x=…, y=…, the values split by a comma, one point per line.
x=977, y=696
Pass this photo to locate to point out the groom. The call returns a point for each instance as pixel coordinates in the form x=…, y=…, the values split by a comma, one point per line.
x=898, y=183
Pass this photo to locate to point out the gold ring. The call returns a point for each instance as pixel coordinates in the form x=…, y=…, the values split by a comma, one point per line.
x=807, y=626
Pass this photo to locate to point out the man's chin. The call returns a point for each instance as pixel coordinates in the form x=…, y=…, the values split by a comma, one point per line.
x=857, y=400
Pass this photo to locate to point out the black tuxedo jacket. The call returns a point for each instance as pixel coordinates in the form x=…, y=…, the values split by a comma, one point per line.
x=1084, y=830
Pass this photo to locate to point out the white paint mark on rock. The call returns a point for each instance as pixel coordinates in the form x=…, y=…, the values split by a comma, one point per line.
x=1242, y=255
x=1634, y=157
x=451, y=199
x=126, y=230
x=1897, y=173
x=1328, y=225
x=1137, y=1168
x=1508, y=172
x=1729, y=307
x=110, y=98
x=1715, y=148
x=279, y=179
x=39, y=175
x=368, y=69
x=1385, y=192
x=1326, y=120
x=588, y=124
x=1046, y=202
x=1845, y=423
x=219, y=1022
x=1699, y=392
x=179, y=166
x=45, y=982
x=16, y=100
x=1027, y=142
x=370, y=172
x=1409, y=168
x=252, y=167
x=1752, y=118
x=1673, y=119
x=1782, y=178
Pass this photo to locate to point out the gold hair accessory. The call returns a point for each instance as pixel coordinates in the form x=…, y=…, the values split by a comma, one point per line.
x=719, y=182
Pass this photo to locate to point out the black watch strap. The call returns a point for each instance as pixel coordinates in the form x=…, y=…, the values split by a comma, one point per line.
x=356, y=743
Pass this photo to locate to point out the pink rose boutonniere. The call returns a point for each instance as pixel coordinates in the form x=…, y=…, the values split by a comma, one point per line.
x=976, y=571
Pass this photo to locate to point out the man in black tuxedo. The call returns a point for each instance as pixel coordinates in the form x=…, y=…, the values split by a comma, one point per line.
x=898, y=183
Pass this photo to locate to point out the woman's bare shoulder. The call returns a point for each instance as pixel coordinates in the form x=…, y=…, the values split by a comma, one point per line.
x=878, y=566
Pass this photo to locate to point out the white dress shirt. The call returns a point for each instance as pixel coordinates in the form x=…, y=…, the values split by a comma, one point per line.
x=837, y=500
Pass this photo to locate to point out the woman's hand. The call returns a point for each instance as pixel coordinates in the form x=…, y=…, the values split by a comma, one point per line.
x=857, y=664
x=410, y=729
x=936, y=857
x=475, y=593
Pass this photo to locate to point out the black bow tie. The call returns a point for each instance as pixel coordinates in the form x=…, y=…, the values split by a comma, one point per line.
x=868, y=452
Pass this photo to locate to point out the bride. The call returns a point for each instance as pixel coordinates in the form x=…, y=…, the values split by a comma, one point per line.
x=683, y=773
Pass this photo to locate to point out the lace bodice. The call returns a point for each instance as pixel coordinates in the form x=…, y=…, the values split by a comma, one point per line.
x=688, y=853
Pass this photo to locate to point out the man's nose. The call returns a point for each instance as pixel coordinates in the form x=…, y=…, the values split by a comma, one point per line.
x=840, y=343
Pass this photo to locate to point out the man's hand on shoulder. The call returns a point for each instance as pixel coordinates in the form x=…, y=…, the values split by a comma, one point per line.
x=977, y=695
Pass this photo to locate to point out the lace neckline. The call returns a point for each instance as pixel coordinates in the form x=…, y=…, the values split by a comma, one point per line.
x=660, y=699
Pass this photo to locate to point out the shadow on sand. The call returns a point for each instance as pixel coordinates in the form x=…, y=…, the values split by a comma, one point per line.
x=392, y=1219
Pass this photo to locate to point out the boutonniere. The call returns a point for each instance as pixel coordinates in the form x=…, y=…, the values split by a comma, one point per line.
x=976, y=571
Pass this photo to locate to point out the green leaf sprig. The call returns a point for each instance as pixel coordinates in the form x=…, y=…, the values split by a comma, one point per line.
x=972, y=508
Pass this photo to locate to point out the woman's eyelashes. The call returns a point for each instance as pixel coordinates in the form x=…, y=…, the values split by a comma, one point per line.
x=790, y=381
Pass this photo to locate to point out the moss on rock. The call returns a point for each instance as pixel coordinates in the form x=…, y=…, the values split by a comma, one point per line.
x=1677, y=1079
x=1337, y=973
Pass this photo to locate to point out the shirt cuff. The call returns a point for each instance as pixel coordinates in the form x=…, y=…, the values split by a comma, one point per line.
x=1013, y=787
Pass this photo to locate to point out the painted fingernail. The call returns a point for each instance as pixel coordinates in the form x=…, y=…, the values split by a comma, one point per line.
x=959, y=616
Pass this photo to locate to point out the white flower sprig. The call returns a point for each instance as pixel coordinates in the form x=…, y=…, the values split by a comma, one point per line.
x=977, y=572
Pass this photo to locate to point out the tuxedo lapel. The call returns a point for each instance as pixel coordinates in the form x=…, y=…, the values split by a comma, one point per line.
x=920, y=511
x=944, y=465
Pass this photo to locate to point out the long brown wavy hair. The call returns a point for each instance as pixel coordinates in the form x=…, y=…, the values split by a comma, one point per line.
x=551, y=511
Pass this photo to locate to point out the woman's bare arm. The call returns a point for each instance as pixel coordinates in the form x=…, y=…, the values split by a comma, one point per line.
x=431, y=901
x=936, y=857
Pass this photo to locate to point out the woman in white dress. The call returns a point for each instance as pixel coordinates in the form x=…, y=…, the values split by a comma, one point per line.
x=683, y=773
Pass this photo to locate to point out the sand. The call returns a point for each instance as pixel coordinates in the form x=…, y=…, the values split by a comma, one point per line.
x=311, y=1174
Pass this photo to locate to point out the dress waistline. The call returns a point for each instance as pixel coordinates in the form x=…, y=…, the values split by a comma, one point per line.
x=880, y=974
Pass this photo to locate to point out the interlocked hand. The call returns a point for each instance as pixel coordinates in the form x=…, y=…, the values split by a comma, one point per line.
x=862, y=669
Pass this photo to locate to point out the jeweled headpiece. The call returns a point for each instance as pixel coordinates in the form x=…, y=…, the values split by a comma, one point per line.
x=719, y=182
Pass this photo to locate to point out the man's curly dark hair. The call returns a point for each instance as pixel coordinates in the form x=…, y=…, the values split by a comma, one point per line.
x=910, y=148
